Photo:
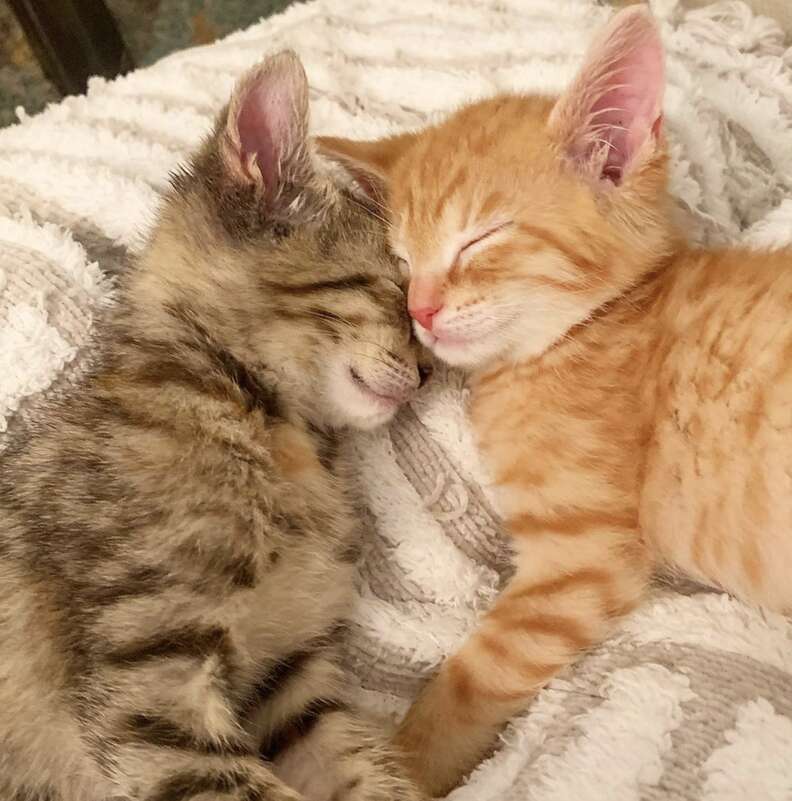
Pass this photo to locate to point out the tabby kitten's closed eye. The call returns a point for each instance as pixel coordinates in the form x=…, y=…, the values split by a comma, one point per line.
x=631, y=395
x=177, y=535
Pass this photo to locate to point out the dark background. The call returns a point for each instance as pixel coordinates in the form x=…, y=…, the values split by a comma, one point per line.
x=149, y=28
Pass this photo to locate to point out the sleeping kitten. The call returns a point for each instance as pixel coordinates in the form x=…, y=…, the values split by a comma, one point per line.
x=632, y=396
x=177, y=537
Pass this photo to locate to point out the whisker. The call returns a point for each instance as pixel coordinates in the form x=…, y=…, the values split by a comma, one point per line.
x=604, y=111
x=326, y=318
x=375, y=212
x=372, y=357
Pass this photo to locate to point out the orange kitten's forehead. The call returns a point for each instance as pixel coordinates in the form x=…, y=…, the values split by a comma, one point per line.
x=469, y=170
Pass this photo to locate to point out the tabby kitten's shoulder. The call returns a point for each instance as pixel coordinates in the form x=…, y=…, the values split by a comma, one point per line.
x=176, y=536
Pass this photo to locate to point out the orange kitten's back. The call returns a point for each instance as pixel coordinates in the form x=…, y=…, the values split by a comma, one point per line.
x=717, y=498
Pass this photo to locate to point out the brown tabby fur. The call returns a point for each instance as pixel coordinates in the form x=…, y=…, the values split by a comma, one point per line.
x=177, y=537
x=632, y=396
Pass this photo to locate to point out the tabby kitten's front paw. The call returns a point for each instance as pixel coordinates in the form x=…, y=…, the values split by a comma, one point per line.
x=344, y=759
x=383, y=787
x=358, y=779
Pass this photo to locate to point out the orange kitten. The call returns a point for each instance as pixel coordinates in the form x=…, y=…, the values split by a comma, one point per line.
x=633, y=397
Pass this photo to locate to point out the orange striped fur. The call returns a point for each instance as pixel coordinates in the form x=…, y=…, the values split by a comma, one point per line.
x=632, y=396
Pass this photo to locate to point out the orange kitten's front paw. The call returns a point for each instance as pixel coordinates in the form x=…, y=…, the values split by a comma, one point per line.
x=440, y=740
x=423, y=764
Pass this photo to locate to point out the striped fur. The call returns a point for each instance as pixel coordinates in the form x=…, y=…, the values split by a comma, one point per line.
x=631, y=396
x=176, y=535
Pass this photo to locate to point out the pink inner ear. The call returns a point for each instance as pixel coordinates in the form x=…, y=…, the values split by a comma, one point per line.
x=614, y=106
x=265, y=122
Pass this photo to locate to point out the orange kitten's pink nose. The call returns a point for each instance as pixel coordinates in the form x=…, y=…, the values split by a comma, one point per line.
x=424, y=300
x=424, y=315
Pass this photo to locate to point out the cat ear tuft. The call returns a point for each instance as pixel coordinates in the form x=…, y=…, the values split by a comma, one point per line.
x=609, y=120
x=369, y=162
x=267, y=122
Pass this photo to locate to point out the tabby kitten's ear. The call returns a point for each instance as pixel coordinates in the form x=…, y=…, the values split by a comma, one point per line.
x=266, y=127
x=369, y=162
x=608, y=122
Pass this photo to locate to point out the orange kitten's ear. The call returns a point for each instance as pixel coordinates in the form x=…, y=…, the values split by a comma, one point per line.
x=609, y=119
x=266, y=123
x=369, y=162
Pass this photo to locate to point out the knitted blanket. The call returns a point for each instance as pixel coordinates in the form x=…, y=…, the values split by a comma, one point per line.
x=692, y=698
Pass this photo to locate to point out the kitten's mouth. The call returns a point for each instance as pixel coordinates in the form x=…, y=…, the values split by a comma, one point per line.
x=376, y=395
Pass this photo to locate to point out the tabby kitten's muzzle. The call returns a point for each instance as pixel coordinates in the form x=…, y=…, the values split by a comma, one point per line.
x=391, y=382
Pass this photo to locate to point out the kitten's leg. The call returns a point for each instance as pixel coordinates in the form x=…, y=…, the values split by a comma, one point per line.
x=155, y=759
x=573, y=578
x=162, y=714
x=318, y=746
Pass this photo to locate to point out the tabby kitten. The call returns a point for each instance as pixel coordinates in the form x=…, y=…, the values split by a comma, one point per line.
x=632, y=396
x=177, y=537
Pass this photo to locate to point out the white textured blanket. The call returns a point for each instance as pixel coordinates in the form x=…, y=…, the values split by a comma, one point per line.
x=693, y=698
